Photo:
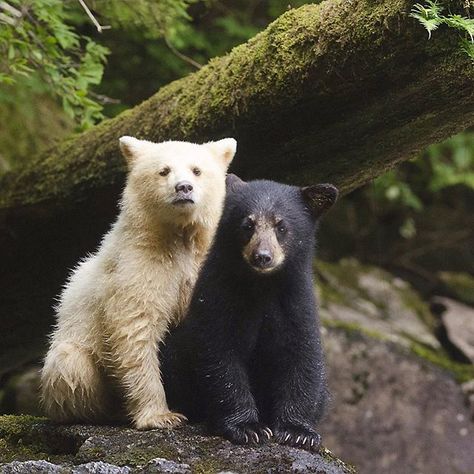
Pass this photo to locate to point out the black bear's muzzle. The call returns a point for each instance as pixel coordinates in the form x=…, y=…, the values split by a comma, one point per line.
x=262, y=259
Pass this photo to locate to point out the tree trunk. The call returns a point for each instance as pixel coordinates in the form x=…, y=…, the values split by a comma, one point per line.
x=338, y=92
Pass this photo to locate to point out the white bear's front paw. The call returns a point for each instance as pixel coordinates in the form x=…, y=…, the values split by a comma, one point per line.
x=164, y=420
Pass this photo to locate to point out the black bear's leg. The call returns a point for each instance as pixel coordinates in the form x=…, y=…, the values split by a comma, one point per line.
x=298, y=394
x=231, y=407
x=293, y=424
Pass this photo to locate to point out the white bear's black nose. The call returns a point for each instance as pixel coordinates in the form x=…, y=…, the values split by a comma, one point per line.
x=262, y=258
x=184, y=187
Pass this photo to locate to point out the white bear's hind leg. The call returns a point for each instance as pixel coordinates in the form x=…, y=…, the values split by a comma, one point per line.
x=72, y=385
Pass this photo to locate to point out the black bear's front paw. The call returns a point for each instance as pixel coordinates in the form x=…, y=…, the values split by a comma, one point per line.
x=247, y=433
x=298, y=437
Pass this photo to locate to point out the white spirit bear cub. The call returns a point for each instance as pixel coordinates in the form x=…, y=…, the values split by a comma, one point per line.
x=119, y=302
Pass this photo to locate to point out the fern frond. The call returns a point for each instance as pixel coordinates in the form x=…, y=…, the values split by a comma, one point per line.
x=431, y=17
x=468, y=47
x=428, y=16
x=461, y=23
x=435, y=8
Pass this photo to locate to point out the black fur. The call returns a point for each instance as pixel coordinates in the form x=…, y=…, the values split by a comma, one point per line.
x=248, y=355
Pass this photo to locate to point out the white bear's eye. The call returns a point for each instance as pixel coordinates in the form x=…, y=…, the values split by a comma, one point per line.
x=196, y=171
x=165, y=171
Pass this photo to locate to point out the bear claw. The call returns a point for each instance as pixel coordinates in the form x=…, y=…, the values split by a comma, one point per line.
x=248, y=433
x=268, y=433
x=298, y=437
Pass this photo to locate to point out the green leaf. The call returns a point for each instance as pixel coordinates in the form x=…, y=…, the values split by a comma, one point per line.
x=11, y=52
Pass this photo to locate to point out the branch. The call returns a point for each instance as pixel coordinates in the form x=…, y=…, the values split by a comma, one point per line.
x=340, y=91
x=11, y=10
x=180, y=55
x=104, y=99
x=99, y=27
x=162, y=28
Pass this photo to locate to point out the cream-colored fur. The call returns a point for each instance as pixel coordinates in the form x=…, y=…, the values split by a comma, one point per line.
x=120, y=301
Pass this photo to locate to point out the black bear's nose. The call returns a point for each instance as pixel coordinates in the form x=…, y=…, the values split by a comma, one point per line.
x=184, y=187
x=262, y=258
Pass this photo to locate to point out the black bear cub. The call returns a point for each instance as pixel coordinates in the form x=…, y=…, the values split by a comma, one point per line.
x=247, y=359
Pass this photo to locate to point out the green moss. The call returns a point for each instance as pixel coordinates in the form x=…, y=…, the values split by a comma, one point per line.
x=460, y=285
x=16, y=426
x=345, y=275
x=18, y=452
x=329, y=294
x=207, y=462
x=346, y=271
x=15, y=442
x=135, y=456
x=462, y=372
x=413, y=301
x=314, y=54
x=20, y=441
x=208, y=465
x=329, y=457
x=339, y=282
x=352, y=329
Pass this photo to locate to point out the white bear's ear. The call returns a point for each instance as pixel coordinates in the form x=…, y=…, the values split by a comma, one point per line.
x=129, y=147
x=224, y=149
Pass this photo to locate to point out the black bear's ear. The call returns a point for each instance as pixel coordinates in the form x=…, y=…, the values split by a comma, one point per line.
x=233, y=182
x=320, y=197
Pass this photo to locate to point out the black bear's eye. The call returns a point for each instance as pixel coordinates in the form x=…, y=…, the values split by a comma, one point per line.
x=196, y=171
x=165, y=171
x=248, y=224
x=281, y=227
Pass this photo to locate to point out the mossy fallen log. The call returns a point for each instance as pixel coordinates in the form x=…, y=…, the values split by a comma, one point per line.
x=339, y=92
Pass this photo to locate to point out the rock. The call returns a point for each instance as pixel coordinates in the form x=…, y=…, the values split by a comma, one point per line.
x=100, y=468
x=160, y=465
x=372, y=299
x=44, y=467
x=458, y=322
x=31, y=467
x=106, y=449
x=393, y=412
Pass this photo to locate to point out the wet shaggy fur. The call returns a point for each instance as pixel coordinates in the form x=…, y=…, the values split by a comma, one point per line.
x=119, y=302
x=247, y=359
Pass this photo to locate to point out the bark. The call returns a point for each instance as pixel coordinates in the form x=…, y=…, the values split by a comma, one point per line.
x=336, y=92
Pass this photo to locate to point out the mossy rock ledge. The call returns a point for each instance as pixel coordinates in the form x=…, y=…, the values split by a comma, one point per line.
x=34, y=445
